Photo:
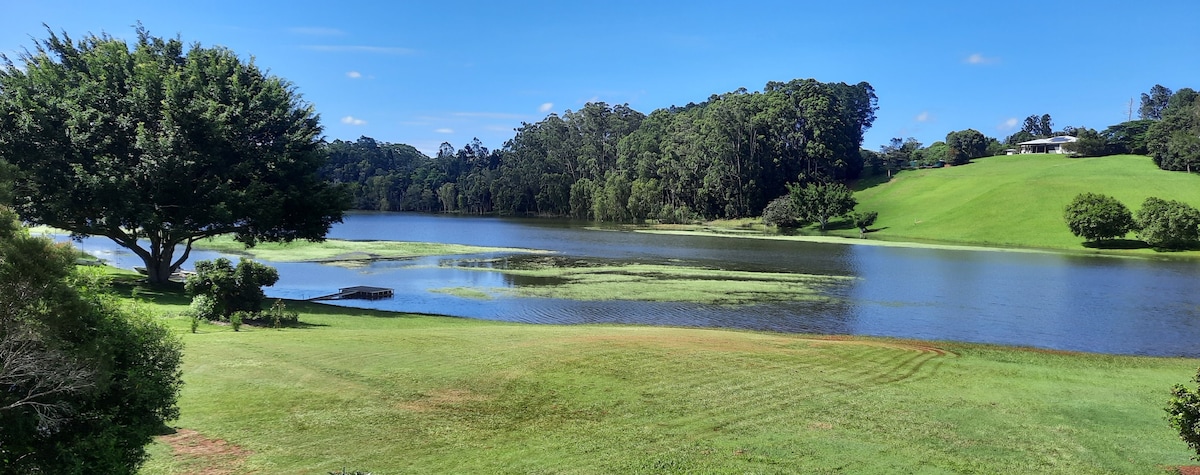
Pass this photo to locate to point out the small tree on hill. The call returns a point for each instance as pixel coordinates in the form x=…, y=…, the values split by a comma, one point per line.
x=1097, y=217
x=1168, y=224
x=782, y=212
x=864, y=220
x=818, y=202
x=1183, y=411
x=219, y=289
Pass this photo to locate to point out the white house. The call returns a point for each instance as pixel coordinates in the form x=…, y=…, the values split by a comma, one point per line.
x=1050, y=145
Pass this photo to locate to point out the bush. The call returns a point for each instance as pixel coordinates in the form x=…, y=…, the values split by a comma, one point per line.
x=235, y=320
x=205, y=307
x=671, y=214
x=863, y=220
x=232, y=289
x=1184, y=414
x=1168, y=224
x=280, y=315
x=1094, y=217
x=782, y=212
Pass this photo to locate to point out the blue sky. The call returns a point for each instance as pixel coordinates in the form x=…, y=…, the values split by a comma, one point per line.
x=426, y=72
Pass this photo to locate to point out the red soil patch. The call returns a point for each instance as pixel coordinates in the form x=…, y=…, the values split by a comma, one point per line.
x=208, y=456
x=1188, y=470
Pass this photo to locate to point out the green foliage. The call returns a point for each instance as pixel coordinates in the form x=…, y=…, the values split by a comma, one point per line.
x=1153, y=104
x=723, y=157
x=279, y=315
x=204, y=306
x=1128, y=137
x=864, y=219
x=1094, y=217
x=1168, y=224
x=1173, y=141
x=84, y=381
x=819, y=202
x=235, y=319
x=1183, y=413
x=782, y=212
x=230, y=289
x=161, y=144
x=1089, y=144
x=965, y=145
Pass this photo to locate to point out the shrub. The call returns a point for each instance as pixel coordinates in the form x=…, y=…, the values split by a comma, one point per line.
x=1168, y=224
x=204, y=306
x=1094, y=217
x=782, y=212
x=231, y=288
x=864, y=219
x=280, y=315
x=235, y=319
x=1184, y=414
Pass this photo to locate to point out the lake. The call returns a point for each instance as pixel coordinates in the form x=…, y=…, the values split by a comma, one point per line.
x=1053, y=301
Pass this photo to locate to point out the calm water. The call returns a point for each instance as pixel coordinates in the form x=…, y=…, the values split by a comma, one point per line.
x=1097, y=304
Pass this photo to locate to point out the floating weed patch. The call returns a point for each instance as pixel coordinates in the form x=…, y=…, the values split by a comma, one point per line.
x=464, y=292
x=351, y=253
x=579, y=279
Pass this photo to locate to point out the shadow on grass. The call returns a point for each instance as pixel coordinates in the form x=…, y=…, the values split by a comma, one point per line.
x=1110, y=244
x=167, y=293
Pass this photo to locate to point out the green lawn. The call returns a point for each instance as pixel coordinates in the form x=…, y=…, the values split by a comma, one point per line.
x=1014, y=200
x=395, y=393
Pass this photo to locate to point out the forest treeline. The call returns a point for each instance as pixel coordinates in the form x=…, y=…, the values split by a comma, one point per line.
x=726, y=157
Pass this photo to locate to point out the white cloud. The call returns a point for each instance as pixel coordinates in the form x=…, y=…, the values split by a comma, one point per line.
x=1009, y=124
x=359, y=49
x=978, y=58
x=545, y=107
x=444, y=130
x=353, y=74
x=351, y=120
x=923, y=117
x=316, y=31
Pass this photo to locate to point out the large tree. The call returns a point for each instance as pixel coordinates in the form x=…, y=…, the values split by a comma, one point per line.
x=965, y=145
x=1153, y=103
x=155, y=146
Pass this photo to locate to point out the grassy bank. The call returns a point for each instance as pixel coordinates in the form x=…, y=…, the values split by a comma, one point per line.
x=395, y=393
x=1014, y=200
x=1007, y=202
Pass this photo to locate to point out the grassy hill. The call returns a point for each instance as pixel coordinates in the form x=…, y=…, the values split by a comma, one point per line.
x=1014, y=200
x=398, y=393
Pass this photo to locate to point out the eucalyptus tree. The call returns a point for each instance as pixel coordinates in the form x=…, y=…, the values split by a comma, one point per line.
x=155, y=145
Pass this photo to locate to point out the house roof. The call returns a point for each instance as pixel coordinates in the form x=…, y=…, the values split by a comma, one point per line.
x=1051, y=141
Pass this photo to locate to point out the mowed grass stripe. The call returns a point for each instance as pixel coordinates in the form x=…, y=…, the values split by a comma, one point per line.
x=403, y=394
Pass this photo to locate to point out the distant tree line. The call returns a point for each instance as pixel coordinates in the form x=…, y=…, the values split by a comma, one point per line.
x=722, y=158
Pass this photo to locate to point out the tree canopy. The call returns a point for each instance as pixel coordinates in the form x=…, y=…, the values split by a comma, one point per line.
x=724, y=157
x=1096, y=217
x=153, y=146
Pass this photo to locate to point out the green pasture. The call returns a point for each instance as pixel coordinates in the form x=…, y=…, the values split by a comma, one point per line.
x=1014, y=201
x=397, y=393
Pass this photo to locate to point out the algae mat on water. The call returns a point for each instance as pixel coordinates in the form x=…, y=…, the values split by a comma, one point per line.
x=552, y=277
x=394, y=393
x=343, y=252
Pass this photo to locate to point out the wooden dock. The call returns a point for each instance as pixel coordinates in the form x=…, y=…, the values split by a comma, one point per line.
x=358, y=292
